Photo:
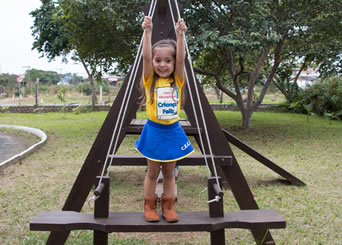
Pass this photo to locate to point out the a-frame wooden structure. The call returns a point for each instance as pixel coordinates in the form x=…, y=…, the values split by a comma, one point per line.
x=225, y=161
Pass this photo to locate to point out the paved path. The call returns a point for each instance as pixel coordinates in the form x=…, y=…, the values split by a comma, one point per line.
x=11, y=144
x=18, y=146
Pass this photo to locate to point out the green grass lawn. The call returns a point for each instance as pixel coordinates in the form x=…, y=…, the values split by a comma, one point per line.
x=309, y=149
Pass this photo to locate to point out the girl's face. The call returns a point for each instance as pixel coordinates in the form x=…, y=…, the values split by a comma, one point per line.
x=163, y=61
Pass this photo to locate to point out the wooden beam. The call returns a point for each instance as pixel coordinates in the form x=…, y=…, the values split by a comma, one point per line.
x=162, y=6
x=191, y=160
x=135, y=222
x=216, y=210
x=101, y=210
x=137, y=125
x=262, y=159
x=232, y=174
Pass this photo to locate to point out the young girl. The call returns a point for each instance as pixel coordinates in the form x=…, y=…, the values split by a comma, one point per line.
x=162, y=140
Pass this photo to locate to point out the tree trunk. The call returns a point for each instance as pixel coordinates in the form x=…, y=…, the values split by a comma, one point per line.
x=247, y=119
x=92, y=85
x=217, y=91
x=219, y=94
x=93, y=94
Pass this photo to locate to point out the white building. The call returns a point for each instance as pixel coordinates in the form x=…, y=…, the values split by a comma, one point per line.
x=113, y=80
x=306, y=77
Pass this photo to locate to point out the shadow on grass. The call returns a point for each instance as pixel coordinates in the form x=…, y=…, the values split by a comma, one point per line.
x=274, y=182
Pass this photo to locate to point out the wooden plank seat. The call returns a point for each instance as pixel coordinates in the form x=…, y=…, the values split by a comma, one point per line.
x=137, y=125
x=134, y=222
x=191, y=160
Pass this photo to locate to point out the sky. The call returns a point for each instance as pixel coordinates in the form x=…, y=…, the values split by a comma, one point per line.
x=16, y=41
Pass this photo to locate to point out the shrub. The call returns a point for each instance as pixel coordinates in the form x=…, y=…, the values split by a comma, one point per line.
x=61, y=93
x=82, y=109
x=4, y=108
x=86, y=88
x=323, y=98
x=44, y=88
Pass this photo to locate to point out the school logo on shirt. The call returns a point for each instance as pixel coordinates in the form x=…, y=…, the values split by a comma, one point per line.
x=167, y=103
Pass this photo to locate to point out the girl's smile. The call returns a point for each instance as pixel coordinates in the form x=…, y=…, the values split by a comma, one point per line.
x=163, y=61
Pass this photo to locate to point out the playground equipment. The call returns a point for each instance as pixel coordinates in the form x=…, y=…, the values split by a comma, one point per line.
x=214, y=145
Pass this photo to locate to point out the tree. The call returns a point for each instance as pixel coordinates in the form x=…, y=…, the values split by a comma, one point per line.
x=8, y=83
x=99, y=34
x=283, y=80
x=325, y=39
x=238, y=43
x=49, y=39
x=248, y=39
x=320, y=46
x=45, y=77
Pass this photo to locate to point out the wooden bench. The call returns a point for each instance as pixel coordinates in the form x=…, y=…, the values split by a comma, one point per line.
x=103, y=222
x=134, y=221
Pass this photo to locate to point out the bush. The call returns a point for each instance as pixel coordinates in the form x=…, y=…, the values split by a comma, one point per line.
x=323, y=98
x=44, y=88
x=4, y=108
x=61, y=93
x=82, y=109
x=86, y=88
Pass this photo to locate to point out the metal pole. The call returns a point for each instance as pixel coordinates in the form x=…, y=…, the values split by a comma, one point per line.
x=37, y=81
x=29, y=78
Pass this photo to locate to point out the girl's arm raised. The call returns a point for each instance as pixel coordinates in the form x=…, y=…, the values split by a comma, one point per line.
x=147, y=46
x=180, y=56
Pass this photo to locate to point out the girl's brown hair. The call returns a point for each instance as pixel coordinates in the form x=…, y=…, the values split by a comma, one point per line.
x=161, y=43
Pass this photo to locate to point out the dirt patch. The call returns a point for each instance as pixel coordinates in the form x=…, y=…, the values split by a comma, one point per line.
x=17, y=100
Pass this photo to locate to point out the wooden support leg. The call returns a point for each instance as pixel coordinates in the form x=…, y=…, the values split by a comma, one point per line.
x=101, y=210
x=262, y=159
x=217, y=237
x=216, y=209
x=100, y=238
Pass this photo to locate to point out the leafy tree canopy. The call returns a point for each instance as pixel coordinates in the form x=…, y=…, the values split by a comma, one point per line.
x=49, y=39
x=249, y=40
x=236, y=43
x=102, y=35
x=45, y=77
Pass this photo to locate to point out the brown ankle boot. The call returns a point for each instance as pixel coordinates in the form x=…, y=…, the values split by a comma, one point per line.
x=168, y=208
x=150, y=212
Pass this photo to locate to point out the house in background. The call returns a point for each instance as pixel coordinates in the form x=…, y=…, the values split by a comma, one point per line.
x=64, y=80
x=306, y=77
x=113, y=80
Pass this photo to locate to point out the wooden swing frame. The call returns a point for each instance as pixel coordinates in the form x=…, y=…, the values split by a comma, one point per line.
x=102, y=222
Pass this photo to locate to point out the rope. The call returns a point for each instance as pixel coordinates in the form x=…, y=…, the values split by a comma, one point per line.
x=134, y=71
x=191, y=98
x=200, y=107
x=124, y=104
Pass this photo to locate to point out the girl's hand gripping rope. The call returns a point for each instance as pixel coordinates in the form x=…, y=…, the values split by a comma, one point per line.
x=181, y=28
x=147, y=24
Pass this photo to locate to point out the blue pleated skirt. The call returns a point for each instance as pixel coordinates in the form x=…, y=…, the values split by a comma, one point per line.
x=163, y=143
